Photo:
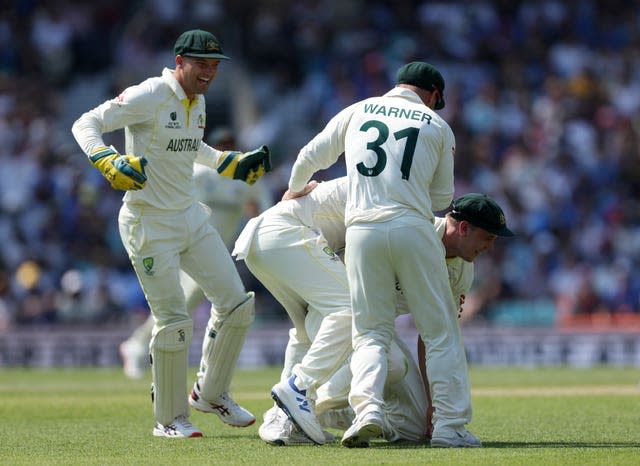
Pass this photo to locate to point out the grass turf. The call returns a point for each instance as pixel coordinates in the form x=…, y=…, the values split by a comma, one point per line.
x=534, y=416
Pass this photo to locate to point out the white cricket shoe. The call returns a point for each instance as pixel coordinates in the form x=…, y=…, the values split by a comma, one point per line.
x=362, y=431
x=299, y=408
x=447, y=437
x=179, y=428
x=224, y=406
x=135, y=359
x=277, y=429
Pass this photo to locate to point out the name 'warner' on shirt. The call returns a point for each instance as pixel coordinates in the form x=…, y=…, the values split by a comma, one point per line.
x=397, y=112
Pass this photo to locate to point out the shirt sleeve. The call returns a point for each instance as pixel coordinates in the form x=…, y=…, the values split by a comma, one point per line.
x=442, y=186
x=209, y=156
x=133, y=106
x=322, y=151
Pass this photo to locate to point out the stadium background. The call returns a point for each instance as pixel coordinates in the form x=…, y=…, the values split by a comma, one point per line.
x=543, y=97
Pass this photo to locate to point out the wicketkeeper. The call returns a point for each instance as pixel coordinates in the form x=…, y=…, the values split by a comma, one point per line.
x=164, y=229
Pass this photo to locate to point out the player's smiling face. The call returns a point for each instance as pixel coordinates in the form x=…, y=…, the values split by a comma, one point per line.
x=196, y=74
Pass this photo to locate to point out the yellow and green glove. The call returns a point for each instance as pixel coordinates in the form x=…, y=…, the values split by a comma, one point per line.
x=124, y=172
x=246, y=166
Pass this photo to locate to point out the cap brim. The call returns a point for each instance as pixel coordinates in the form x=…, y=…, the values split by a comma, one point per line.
x=440, y=102
x=207, y=55
x=504, y=231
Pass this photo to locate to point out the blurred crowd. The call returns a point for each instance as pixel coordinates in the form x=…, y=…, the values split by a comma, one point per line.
x=543, y=97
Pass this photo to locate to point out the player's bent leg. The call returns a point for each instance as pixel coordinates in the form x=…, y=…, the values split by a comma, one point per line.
x=369, y=360
x=169, y=359
x=297, y=347
x=397, y=364
x=193, y=294
x=220, y=351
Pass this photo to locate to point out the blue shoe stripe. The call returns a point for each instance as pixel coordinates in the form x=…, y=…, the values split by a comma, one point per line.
x=294, y=388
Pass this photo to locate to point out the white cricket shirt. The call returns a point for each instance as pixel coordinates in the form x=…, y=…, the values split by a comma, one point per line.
x=160, y=125
x=398, y=153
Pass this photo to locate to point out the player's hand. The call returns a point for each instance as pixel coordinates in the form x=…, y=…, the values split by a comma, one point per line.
x=246, y=166
x=124, y=172
x=430, y=411
x=311, y=185
x=462, y=299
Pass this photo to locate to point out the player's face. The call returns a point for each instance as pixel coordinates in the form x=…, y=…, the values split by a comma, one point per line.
x=197, y=74
x=476, y=242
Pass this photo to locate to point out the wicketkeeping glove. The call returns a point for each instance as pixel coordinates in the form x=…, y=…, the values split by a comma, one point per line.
x=246, y=166
x=124, y=172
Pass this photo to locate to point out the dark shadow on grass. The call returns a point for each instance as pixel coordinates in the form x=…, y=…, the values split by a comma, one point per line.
x=561, y=444
x=489, y=444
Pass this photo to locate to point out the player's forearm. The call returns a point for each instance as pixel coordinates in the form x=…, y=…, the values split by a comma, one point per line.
x=300, y=175
x=209, y=156
x=87, y=131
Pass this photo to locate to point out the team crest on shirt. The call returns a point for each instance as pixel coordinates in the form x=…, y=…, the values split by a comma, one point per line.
x=173, y=123
x=147, y=262
x=201, y=121
x=329, y=252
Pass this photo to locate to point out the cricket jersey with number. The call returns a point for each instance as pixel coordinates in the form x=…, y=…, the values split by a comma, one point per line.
x=165, y=128
x=398, y=155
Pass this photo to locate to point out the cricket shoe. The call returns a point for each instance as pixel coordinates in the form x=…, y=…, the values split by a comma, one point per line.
x=224, y=406
x=299, y=408
x=362, y=431
x=447, y=437
x=277, y=429
x=135, y=359
x=179, y=428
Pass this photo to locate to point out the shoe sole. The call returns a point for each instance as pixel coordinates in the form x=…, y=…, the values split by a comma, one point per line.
x=283, y=406
x=206, y=408
x=363, y=436
x=275, y=443
x=162, y=434
x=446, y=443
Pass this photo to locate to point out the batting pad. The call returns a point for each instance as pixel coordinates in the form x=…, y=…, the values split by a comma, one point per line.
x=221, y=348
x=169, y=359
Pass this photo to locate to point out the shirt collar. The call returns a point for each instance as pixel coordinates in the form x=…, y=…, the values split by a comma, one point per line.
x=404, y=93
x=167, y=75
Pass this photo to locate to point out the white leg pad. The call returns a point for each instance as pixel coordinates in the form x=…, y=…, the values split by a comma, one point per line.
x=221, y=348
x=169, y=359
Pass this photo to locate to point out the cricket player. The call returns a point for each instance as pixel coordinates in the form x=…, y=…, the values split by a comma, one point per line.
x=468, y=230
x=301, y=276
x=229, y=201
x=399, y=156
x=165, y=230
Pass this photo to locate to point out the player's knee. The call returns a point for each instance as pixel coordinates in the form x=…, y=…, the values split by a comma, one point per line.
x=243, y=314
x=173, y=337
x=397, y=364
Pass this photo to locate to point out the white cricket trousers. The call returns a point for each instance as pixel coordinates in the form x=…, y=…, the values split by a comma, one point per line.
x=405, y=404
x=407, y=249
x=295, y=264
x=160, y=243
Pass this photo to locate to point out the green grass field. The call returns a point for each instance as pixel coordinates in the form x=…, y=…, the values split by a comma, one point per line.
x=523, y=416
